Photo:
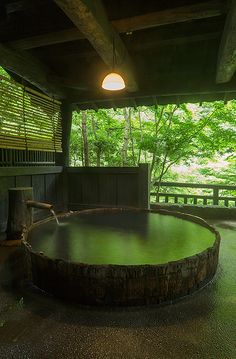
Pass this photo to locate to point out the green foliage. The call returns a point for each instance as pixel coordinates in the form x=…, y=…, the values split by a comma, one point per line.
x=164, y=136
x=4, y=73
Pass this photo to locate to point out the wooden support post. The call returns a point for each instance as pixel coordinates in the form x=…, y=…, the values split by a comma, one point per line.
x=215, y=196
x=62, y=159
x=144, y=185
x=19, y=215
x=226, y=65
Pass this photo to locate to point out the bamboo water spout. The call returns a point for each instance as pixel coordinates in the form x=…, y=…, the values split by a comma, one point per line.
x=40, y=205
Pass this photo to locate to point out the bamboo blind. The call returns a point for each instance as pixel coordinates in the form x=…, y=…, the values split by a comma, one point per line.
x=28, y=120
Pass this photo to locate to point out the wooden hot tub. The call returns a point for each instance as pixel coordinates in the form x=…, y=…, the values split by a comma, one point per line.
x=119, y=256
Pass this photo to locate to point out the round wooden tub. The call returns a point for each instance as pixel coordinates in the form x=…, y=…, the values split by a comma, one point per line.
x=139, y=281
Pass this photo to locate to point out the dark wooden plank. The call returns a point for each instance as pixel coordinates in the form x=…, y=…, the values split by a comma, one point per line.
x=127, y=190
x=102, y=170
x=226, y=65
x=144, y=185
x=107, y=189
x=90, y=189
x=75, y=188
x=201, y=91
x=215, y=196
x=23, y=181
x=23, y=171
x=38, y=184
x=50, y=189
x=90, y=18
x=5, y=184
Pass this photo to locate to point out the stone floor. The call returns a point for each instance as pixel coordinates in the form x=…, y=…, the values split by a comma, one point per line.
x=34, y=325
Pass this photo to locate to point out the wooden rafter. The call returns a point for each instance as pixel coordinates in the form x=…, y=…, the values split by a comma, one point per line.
x=29, y=68
x=185, y=13
x=90, y=18
x=226, y=65
x=204, y=10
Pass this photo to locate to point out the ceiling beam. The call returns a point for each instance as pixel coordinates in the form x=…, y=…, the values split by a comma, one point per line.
x=52, y=38
x=204, y=10
x=161, y=99
x=90, y=18
x=185, y=13
x=166, y=85
x=17, y=6
x=29, y=68
x=226, y=65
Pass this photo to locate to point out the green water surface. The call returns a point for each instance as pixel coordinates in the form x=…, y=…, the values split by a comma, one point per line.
x=121, y=238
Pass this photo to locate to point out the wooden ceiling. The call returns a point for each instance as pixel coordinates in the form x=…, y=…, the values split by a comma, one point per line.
x=166, y=50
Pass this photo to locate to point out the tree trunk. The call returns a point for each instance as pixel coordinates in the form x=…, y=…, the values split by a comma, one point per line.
x=131, y=137
x=98, y=150
x=126, y=138
x=141, y=135
x=85, y=139
x=98, y=157
x=157, y=125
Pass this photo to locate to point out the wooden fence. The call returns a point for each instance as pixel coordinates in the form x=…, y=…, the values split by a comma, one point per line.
x=93, y=187
x=211, y=194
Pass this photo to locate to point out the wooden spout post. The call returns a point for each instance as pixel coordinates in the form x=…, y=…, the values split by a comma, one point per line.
x=19, y=214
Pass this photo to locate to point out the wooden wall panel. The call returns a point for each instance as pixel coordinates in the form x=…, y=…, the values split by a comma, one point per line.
x=75, y=188
x=47, y=186
x=5, y=183
x=50, y=188
x=91, y=187
x=108, y=189
x=23, y=181
x=127, y=190
x=38, y=184
x=60, y=190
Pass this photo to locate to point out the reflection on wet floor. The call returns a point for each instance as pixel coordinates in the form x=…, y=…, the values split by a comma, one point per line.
x=200, y=326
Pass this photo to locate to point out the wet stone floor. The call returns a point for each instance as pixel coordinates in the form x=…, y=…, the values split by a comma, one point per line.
x=35, y=325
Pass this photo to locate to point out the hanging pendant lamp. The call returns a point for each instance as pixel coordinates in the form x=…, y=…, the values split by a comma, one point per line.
x=113, y=81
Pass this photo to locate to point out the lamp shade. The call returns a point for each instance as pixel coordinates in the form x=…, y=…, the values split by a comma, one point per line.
x=113, y=82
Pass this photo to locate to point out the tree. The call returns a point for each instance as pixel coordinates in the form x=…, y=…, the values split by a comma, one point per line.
x=164, y=136
x=85, y=139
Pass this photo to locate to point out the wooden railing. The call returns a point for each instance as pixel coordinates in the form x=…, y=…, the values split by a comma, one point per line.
x=217, y=195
